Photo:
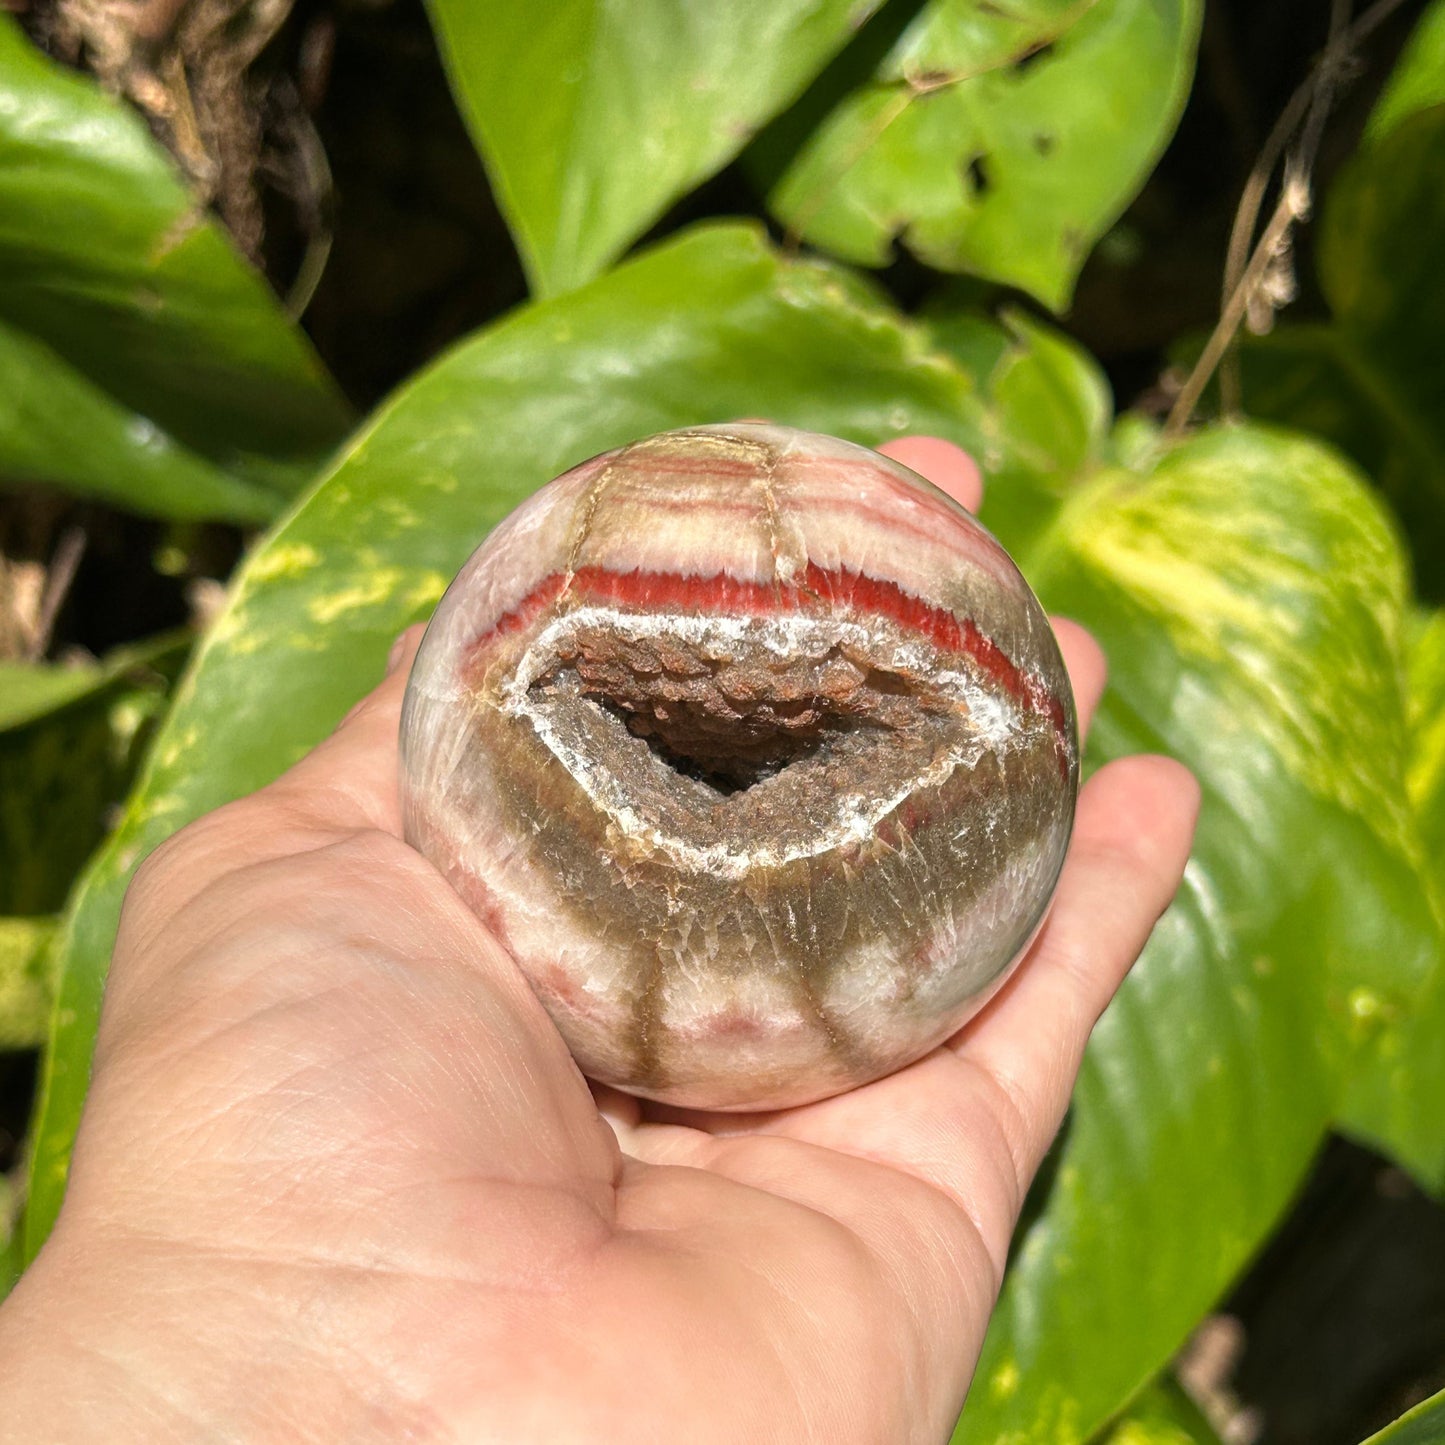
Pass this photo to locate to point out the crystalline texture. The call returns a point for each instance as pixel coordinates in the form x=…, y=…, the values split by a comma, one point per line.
x=757, y=754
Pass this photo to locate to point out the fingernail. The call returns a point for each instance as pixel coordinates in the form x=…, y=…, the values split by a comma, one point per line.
x=398, y=651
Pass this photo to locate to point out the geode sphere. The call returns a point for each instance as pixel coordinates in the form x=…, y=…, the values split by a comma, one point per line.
x=757, y=754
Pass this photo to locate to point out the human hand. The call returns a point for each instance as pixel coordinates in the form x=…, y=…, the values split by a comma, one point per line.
x=338, y=1177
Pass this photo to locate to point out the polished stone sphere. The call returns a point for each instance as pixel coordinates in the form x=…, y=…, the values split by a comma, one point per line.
x=756, y=753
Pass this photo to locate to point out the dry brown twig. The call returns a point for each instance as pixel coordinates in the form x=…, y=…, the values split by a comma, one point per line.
x=32, y=594
x=64, y=563
x=1258, y=282
x=185, y=64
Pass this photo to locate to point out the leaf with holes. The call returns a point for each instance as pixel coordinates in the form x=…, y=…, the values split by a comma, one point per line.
x=999, y=141
x=136, y=310
x=1248, y=591
x=593, y=116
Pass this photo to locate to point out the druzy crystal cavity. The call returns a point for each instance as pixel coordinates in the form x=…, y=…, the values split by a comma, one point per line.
x=757, y=754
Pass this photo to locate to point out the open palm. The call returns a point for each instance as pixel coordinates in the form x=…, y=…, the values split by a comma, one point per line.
x=338, y=1177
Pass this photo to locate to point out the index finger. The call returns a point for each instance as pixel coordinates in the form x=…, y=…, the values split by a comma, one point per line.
x=947, y=466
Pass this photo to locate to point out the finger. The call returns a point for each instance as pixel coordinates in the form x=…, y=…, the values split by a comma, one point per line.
x=404, y=649
x=1088, y=670
x=1131, y=841
x=350, y=780
x=622, y=1111
x=948, y=467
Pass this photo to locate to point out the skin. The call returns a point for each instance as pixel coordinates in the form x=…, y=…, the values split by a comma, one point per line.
x=338, y=1178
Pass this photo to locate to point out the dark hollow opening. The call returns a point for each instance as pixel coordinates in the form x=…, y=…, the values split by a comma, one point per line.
x=733, y=720
x=732, y=753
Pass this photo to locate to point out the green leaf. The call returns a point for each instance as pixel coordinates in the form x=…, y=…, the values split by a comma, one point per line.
x=1418, y=79
x=1047, y=421
x=711, y=326
x=1249, y=592
x=1424, y=1425
x=1162, y=1415
x=1374, y=266
x=56, y=426
x=1373, y=380
x=30, y=690
x=593, y=116
x=1397, y=1102
x=25, y=986
x=108, y=264
x=1002, y=141
x=70, y=738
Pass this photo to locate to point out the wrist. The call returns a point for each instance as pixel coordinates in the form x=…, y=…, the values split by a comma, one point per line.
x=58, y=1379
x=130, y=1340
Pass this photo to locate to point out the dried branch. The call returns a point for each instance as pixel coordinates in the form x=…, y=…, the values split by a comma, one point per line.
x=63, y=566
x=1260, y=280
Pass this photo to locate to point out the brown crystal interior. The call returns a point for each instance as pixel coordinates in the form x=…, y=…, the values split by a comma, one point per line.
x=734, y=720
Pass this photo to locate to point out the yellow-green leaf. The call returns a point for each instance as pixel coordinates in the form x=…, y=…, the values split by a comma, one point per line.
x=25, y=983
x=1397, y=1101
x=1249, y=593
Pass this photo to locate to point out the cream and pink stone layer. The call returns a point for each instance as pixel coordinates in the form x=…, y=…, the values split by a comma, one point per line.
x=757, y=754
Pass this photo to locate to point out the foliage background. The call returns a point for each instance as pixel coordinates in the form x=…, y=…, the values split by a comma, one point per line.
x=297, y=300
